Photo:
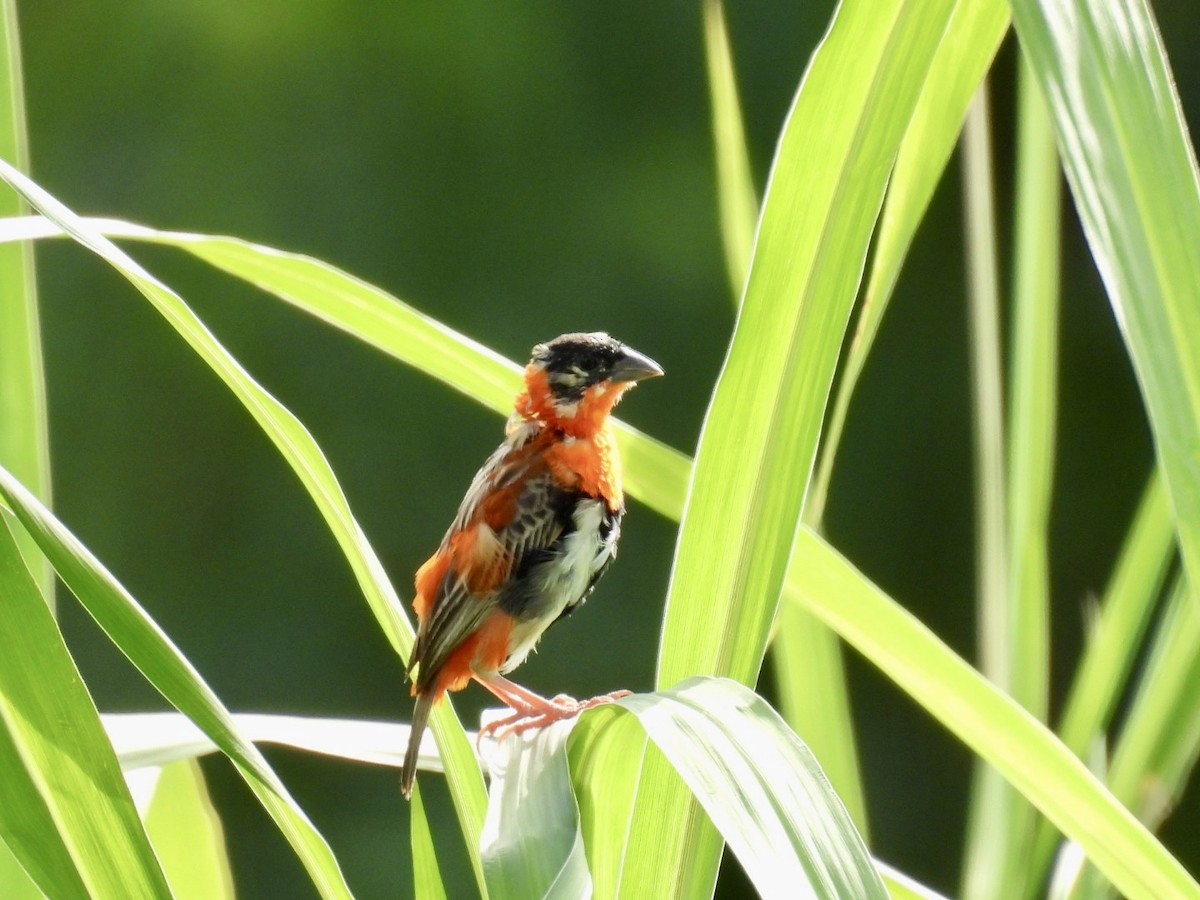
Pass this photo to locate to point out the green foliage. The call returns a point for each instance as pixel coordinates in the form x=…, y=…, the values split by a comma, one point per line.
x=640, y=798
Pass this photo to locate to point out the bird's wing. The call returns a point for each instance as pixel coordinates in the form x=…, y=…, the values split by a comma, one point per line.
x=512, y=511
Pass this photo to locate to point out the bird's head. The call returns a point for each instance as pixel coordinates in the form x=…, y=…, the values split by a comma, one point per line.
x=574, y=381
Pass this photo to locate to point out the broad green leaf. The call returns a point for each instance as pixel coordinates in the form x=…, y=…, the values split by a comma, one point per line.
x=24, y=445
x=759, y=438
x=757, y=781
x=808, y=664
x=762, y=788
x=811, y=681
x=532, y=841
x=15, y=884
x=735, y=184
x=65, y=811
x=962, y=59
x=1133, y=175
x=187, y=835
x=297, y=446
x=986, y=720
x=606, y=753
x=148, y=648
x=427, y=878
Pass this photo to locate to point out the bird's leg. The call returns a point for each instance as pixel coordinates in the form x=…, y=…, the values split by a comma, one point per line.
x=532, y=710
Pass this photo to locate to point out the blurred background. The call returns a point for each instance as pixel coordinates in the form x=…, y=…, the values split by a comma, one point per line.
x=516, y=170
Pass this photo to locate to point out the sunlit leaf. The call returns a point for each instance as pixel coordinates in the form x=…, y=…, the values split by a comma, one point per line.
x=65, y=812
x=187, y=835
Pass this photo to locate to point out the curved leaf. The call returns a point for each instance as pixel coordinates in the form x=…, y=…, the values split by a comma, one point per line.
x=65, y=811
x=1133, y=175
x=148, y=648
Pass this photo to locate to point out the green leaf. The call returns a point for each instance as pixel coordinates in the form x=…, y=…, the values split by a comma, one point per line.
x=1161, y=736
x=532, y=841
x=155, y=739
x=427, y=879
x=962, y=59
x=986, y=720
x=65, y=811
x=757, y=446
x=187, y=835
x=735, y=184
x=1133, y=175
x=297, y=446
x=655, y=473
x=756, y=780
x=901, y=887
x=24, y=444
x=148, y=648
x=761, y=786
x=14, y=883
x=814, y=699
x=1116, y=638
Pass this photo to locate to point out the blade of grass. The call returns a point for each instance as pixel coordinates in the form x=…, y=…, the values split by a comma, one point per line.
x=1030, y=468
x=156, y=739
x=65, y=811
x=187, y=835
x=809, y=669
x=427, y=878
x=297, y=446
x=1132, y=171
x=988, y=860
x=655, y=473
x=974, y=33
x=814, y=700
x=1159, y=741
x=735, y=184
x=148, y=648
x=1161, y=736
x=808, y=665
x=986, y=720
x=1033, y=378
x=24, y=441
x=1129, y=602
x=759, y=438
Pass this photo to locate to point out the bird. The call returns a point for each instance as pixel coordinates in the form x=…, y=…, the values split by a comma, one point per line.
x=537, y=528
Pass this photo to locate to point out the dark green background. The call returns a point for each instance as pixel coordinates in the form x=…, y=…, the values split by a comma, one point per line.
x=516, y=170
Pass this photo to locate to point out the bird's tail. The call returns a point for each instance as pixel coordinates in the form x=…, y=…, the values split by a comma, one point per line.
x=420, y=717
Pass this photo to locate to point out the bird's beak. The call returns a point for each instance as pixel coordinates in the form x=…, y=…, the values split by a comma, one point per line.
x=633, y=366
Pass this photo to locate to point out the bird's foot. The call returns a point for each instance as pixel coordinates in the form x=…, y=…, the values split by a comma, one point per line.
x=531, y=713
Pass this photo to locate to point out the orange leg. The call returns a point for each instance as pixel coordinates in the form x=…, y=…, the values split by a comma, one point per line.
x=532, y=710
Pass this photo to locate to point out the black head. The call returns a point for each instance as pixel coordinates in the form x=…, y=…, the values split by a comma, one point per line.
x=574, y=362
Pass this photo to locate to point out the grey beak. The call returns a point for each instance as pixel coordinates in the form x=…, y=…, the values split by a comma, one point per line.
x=634, y=366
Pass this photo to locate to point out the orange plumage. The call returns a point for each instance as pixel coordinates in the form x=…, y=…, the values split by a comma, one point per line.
x=537, y=528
